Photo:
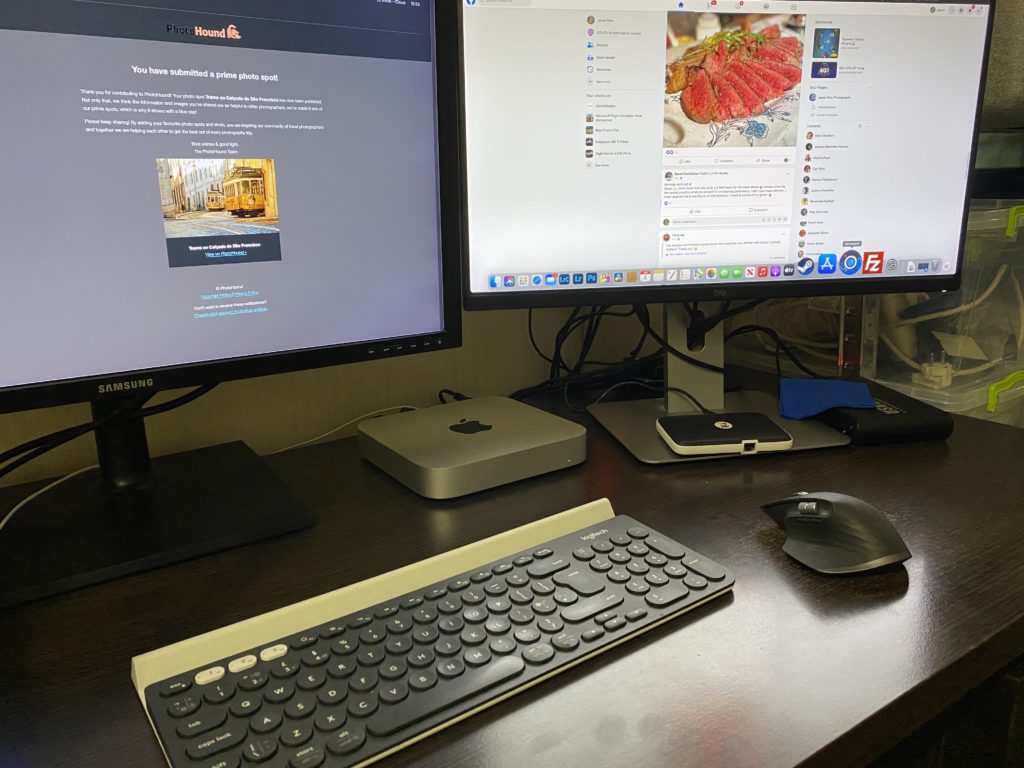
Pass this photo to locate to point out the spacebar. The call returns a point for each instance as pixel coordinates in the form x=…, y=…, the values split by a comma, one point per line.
x=394, y=718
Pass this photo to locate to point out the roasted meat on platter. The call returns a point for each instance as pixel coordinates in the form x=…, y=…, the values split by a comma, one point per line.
x=733, y=74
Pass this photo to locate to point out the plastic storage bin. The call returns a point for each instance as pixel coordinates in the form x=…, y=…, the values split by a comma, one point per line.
x=963, y=351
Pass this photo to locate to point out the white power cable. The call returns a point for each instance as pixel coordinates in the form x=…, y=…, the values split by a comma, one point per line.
x=348, y=423
x=21, y=504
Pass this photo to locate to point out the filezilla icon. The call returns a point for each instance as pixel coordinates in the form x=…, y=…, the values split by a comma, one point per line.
x=873, y=262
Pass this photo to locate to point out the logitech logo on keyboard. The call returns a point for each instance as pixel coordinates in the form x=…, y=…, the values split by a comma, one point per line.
x=594, y=535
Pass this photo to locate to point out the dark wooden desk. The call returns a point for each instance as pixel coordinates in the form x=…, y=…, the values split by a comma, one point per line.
x=794, y=668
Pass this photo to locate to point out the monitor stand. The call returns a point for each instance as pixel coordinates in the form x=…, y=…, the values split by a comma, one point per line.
x=632, y=422
x=131, y=515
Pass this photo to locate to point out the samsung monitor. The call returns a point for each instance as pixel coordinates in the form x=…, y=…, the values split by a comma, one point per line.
x=628, y=151
x=200, y=192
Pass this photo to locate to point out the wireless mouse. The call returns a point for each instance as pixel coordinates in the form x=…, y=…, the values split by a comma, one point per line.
x=834, y=533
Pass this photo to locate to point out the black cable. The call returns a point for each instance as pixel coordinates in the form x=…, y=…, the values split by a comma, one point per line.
x=533, y=340
x=456, y=396
x=645, y=320
x=657, y=387
x=33, y=449
x=780, y=346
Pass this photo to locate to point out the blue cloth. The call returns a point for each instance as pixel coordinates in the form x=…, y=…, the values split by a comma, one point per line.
x=803, y=398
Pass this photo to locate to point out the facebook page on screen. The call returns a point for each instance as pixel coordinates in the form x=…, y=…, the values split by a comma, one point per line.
x=716, y=139
x=186, y=186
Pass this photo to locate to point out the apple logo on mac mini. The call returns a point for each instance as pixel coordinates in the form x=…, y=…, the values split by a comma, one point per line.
x=469, y=427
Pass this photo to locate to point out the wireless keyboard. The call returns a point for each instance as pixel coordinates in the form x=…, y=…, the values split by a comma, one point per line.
x=349, y=691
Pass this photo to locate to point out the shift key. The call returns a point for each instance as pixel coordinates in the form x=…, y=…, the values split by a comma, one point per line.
x=592, y=606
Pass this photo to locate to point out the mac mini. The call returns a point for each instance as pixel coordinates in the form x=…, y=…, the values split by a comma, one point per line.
x=470, y=445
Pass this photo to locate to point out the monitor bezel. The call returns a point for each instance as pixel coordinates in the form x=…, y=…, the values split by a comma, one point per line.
x=141, y=380
x=717, y=291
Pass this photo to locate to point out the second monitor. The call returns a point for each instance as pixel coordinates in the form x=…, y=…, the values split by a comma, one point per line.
x=688, y=155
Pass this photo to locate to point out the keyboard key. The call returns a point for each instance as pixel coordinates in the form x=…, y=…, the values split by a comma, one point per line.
x=398, y=645
x=550, y=624
x=638, y=567
x=582, y=553
x=522, y=560
x=496, y=588
x=666, y=547
x=592, y=606
x=342, y=668
x=332, y=694
x=393, y=693
x=637, y=549
x=539, y=653
x=473, y=636
x=451, y=624
x=601, y=564
x=666, y=595
x=279, y=692
x=211, y=718
x=373, y=633
x=637, y=587
x=363, y=705
x=619, y=539
x=294, y=735
x=273, y=652
x=302, y=641
x=527, y=634
x=502, y=568
x=618, y=575
x=517, y=579
x=458, y=584
x=423, y=680
x=656, y=560
x=359, y=621
x=211, y=675
x=436, y=593
x=502, y=645
x=371, y=656
x=265, y=722
x=707, y=569
x=314, y=657
x=520, y=615
x=675, y=570
x=345, y=645
x=330, y=719
x=174, y=687
x=601, y=547
x=580, y=581
x=477, y=657
x=617, y=623
x=241, y=664
x=638, y=532
x=385, y=610
x=364, y=681
x=542, y=587
x=595, y=633
x=546, y=567
x=499, y=605
x=413, y=602
x=619, y=558
x=544, y=606
x=565, y=597
x=393, y=719
x=545, y=552
x=424, y=657
x=245, y=706
x=694, y=581
x=480, y=576
x=392, y=669
x=451, y=668
x=300, y=707
x=656, y=579
x=184, y=705
x=253, y=681
x=473, y=596
x=311, y=680
x=307, y=757
x=260, y=750
x=217, y=742
x=607, y=616
x=636, y=614
x=347, y=741
x=565, y=641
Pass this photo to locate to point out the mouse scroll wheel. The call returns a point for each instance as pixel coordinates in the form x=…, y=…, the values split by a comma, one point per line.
x=807, y=507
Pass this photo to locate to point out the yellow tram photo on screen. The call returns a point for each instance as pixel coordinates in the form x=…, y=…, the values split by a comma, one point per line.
x=245, y=192
x=215, y=200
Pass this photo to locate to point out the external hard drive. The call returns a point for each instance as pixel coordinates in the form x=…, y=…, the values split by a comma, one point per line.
x=722, y=433
x=470, y=445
